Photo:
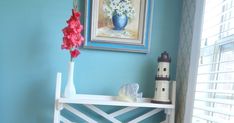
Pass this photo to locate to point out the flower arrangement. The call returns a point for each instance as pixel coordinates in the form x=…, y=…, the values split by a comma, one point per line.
x=119, y=7
x=73, y=39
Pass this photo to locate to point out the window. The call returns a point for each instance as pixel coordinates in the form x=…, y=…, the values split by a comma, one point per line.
x=214, y=96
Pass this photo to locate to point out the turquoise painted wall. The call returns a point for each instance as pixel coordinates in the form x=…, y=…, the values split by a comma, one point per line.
x=30, y=56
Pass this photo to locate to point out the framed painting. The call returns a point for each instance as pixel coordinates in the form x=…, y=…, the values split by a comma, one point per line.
x=119, y=25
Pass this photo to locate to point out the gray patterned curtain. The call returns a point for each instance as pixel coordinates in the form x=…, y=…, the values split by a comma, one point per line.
x=183, y=59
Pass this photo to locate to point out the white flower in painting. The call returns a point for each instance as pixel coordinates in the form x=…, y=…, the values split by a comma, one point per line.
x=112, y=6
x=119, y=7
x=116, y=1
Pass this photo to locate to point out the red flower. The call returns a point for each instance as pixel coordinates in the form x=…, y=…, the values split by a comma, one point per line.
x=75, y=13
x=72, y=38
x=72, y=23
x=74, y=53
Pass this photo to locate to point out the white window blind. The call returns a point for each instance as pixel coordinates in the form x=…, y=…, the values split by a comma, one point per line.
x=214, y=96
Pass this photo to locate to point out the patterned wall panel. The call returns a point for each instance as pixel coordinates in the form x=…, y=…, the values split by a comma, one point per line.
x=186, y=35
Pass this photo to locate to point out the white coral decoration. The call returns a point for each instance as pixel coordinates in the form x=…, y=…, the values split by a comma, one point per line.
x=120, y=7
x=129, y=92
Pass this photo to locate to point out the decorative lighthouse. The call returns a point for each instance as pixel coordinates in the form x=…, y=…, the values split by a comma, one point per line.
x=162, y=80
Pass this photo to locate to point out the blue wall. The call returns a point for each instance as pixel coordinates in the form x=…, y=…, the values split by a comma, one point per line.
x=30, y=56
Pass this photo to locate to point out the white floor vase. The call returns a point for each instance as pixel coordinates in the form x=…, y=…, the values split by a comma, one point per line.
x=70, y=89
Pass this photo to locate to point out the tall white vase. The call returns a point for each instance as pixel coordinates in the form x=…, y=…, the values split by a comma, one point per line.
x=70, y=89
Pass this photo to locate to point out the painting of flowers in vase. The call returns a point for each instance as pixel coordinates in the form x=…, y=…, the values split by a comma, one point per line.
x=118, y=21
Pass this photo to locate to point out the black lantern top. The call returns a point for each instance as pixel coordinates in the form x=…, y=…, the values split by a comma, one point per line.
x=164, y=57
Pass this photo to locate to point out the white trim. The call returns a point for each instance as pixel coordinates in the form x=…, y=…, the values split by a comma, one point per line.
x=146, y=115
x=190, y=94
x=112, y=101
x=171, y=114
x=57, y=96
x=64, y=120
x=122, y=111
x=79, y=114
x=102, y=113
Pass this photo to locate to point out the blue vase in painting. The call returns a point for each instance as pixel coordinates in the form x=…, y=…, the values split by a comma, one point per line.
x=119, y=21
